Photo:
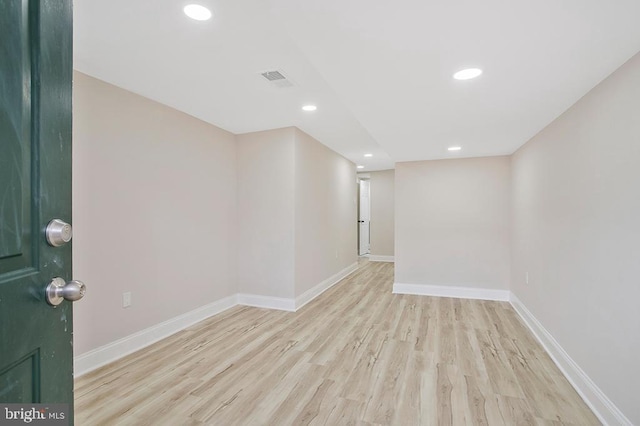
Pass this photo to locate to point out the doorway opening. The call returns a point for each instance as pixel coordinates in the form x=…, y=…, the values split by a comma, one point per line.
x=364, y=217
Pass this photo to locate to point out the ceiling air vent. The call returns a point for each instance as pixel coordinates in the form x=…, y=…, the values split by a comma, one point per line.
x=277, y=78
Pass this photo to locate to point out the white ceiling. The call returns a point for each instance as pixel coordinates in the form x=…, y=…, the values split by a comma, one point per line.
x=379, y=72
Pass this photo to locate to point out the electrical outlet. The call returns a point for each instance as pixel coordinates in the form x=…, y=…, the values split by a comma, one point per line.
x=126, y=299
x=336, y=254
x=526, y=278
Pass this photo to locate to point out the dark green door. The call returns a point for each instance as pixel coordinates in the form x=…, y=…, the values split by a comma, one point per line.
x=35, y=187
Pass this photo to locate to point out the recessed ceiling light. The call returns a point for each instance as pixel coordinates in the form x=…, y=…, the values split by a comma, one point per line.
x=467, y=74
x=454, y=148
x=197, y=12
x=360, y=167
x=309, y=108
x=368, y=155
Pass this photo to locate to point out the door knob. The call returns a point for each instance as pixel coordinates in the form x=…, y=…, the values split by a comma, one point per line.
x=59, y=290
x=58, y=233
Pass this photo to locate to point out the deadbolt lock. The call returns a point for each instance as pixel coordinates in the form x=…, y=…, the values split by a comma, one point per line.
x=58, y=233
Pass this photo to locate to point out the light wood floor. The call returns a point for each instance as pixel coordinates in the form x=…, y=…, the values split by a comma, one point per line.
x=357, y=355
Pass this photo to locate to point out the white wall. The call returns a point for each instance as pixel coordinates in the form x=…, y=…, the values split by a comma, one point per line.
x=266, y=213
x=382, y=212
x=154, y=205
x=325, y=213
x=576, y=231
x=452, y=223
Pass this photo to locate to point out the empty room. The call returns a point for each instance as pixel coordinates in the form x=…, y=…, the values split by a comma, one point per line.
x=338, y=213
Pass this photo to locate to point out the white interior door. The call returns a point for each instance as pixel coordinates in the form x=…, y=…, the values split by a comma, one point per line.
x=364, y=219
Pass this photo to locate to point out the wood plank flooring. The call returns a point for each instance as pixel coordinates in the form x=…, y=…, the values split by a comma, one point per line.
x=357, y=355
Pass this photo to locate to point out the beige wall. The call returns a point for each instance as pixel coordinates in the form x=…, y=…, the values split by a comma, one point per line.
x=382, y=212
x=325, y=213
x=182, y=214
x=452, y=222
x=266, y=213
x=154, y=202
x=296, y=208
x=576, y=231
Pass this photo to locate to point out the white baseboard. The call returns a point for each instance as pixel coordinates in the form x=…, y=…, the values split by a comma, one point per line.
x=603, y=407
x=113, y=351
x=292, y=305
x=376, y=258
x=451, y=291
x=268, y=302
x=316, y=291
x=103, y=355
